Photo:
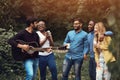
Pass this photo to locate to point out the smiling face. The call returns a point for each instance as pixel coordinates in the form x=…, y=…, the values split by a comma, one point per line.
x=99, y=28
x=77, y=25
x=41, y=26
x=91, y=26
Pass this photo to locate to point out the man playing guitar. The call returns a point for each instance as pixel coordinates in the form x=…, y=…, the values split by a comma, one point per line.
x=30, y=60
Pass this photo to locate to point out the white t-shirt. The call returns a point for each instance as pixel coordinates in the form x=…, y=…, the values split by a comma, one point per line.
x=45, y=45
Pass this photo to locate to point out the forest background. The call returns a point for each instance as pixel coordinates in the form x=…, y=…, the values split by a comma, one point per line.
x=58, y=15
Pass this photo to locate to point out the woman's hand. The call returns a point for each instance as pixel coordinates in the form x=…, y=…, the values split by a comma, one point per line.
x=48, y=49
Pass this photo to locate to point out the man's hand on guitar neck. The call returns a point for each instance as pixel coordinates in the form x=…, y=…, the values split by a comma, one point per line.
x=23, y=46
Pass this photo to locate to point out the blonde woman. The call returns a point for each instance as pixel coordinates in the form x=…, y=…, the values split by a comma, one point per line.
x=102, y=54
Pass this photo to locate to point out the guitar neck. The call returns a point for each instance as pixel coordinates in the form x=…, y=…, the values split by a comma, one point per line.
x=54, y=48
x=38, y=49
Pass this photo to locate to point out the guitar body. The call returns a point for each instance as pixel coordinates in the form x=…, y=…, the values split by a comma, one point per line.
x=19, y=54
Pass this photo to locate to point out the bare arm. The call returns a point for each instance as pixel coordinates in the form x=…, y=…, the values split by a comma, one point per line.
x=51, y=40
x=23, y=46
x=47, y=37
x=43, y=41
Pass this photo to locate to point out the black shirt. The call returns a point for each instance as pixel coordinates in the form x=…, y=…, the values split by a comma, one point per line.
x=25, y=36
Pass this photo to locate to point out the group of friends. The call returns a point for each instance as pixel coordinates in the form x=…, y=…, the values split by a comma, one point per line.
x=80, y=43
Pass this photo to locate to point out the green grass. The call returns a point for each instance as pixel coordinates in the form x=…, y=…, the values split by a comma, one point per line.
x=20, y=75
x=59, y=63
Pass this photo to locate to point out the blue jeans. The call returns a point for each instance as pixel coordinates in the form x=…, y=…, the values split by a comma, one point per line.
x=31, y=66
x=67, y=64
x=92, y=69
x=49, y=61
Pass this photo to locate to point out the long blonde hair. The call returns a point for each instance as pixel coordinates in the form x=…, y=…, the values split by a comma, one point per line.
x=101, y=29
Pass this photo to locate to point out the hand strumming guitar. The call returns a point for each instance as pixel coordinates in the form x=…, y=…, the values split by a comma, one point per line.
x=23, y=47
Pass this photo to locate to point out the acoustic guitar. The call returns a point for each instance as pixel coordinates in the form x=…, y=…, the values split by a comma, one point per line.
x=20, y=54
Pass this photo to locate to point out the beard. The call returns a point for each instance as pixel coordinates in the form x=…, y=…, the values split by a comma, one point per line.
x=77, y=28
x=34, y=28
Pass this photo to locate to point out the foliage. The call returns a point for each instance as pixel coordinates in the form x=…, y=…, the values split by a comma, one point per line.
x=114, y=22
x=9, y=12
x=58, y=15
x=93, y=10
x=8, y=67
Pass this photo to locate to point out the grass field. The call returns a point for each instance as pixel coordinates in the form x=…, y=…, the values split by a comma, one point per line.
x=59, y=62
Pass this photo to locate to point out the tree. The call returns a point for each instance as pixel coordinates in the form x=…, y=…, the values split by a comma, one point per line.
x=106, y=11
x=57, y=14
x=9, y=12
